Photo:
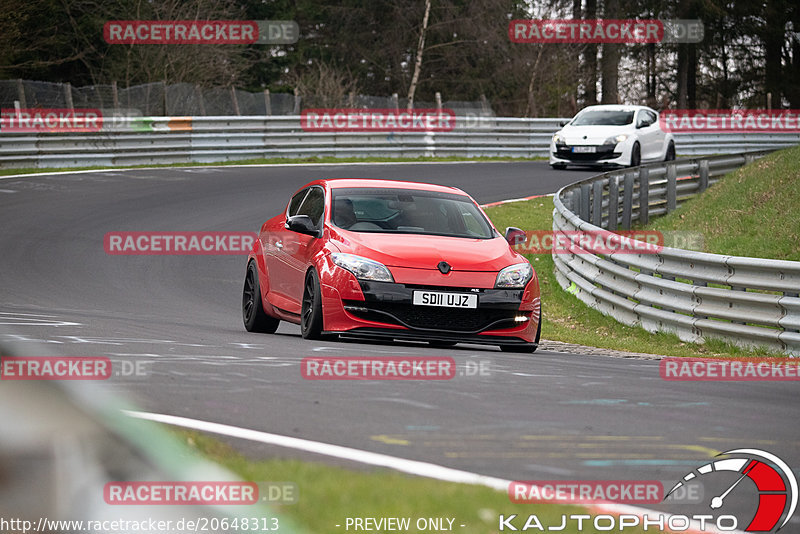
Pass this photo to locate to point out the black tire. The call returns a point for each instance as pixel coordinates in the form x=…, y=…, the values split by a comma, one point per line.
x=253, y=314
x=636, y=155
x=528, y=348
x=558, y=166
x=670, y=156
x=311, y=311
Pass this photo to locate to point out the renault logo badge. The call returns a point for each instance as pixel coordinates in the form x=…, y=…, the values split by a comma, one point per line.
x=444, y=267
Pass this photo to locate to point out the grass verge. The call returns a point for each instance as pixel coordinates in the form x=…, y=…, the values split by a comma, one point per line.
x=328, y=495
x=751, y=212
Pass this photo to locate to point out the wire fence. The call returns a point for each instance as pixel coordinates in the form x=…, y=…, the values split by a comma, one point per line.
x=184, y=99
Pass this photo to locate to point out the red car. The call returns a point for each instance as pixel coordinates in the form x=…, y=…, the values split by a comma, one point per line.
x=390, y=259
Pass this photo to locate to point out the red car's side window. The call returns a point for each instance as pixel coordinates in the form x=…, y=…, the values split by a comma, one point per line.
x=296, y=201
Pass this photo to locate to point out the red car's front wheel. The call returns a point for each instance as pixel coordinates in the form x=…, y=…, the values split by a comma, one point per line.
x=311, y=311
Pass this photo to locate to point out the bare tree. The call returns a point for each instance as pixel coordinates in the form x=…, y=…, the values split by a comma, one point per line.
x=412, y=89
x=323, y=86
x=204, y=64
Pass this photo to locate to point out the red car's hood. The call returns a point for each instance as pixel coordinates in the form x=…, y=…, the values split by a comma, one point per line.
x=426, y=251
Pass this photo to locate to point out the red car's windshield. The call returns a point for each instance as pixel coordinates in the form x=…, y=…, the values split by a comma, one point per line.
x=408, y=211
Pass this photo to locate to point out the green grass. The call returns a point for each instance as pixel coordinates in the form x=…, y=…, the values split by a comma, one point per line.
x=569, y=320
x=266, y=161
x=750, y=212
x=328, y=495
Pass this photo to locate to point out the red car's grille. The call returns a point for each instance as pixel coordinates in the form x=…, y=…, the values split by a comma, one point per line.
x=432, y=318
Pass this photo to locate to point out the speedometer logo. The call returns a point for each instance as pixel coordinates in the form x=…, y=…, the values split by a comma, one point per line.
x=774, y=480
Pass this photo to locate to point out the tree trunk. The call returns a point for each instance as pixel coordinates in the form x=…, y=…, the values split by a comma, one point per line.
x=794, y=74
x=609, y=63
x=651, y=74
x=683, y=71
x=590, y=61
x=773, y=48
x=418, y=62
x=691, y=77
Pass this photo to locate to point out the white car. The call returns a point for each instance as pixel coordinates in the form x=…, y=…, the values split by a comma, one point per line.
x=613, y=136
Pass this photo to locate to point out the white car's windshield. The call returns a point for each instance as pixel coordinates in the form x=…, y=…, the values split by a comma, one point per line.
x=604, y=117
x=408, y=211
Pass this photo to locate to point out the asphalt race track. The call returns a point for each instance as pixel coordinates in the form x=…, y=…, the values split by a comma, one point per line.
x=544, y=416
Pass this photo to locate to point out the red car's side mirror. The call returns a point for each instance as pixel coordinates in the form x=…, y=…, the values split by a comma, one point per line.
x=302, y=224
x=515, y=236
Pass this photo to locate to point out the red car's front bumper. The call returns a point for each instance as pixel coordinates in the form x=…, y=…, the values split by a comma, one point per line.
x=385, y=309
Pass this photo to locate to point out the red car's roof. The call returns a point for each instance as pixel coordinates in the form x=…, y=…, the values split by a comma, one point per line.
x=335, y=183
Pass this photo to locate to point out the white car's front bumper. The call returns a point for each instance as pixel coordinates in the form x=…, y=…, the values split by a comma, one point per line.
x=603, y=155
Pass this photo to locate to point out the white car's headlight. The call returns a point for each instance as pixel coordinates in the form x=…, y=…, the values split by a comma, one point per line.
x=363, y=268
x=558, y=140
x=514, y=276
x=615, y=139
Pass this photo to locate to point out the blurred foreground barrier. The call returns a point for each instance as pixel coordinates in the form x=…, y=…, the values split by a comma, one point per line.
x=162, y=140
x=746, y=301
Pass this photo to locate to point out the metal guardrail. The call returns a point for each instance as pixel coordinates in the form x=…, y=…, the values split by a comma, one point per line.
x=160, y=140
x=696, y=295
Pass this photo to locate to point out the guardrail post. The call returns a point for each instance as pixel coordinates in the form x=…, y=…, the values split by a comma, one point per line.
x=672, y=191
x=627, y=200
x=115, y=94
x=597, y=202
x=21, y=94
x=644, y=195
x=584, y=199
x=68, y=96
x=749, y=158
x=613, y=202
x=703, y=173
x=235, y=101
x=199, y=94
x=569, y=200
x=267, y=102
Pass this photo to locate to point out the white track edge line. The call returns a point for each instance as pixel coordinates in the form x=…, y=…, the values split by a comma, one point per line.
x=413, y=467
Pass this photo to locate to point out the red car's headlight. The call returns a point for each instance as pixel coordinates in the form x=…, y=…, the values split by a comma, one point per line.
x=514, y=276
x=362, y=268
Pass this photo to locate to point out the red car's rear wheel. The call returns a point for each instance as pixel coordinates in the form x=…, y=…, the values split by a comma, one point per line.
x=253, y=314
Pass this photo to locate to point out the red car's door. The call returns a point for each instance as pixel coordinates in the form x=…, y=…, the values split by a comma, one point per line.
x=276, y=258
x=295, y=250
x=301, y=247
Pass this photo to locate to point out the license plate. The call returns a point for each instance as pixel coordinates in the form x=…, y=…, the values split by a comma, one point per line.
x=445, y=300
x=584, y=149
